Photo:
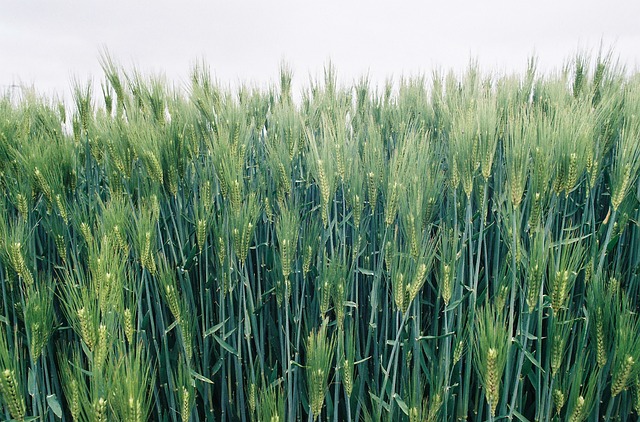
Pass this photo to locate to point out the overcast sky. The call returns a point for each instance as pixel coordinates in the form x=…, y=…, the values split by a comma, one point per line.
x=48, y=43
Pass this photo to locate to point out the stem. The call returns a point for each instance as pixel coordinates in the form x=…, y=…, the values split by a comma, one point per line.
x=288, y=363
x=512, y=300
x=539, y=396
x=395, y=374
x=514, y=395
x=607, y=416
x=371, y=327
x=463, y=409
x=447, y=357
x=336, y=388
x=391, y=359
x=599, y=391
x=607, y=238
x=549, y=400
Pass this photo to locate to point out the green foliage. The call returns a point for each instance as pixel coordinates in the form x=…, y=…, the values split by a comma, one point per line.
x=463, y=247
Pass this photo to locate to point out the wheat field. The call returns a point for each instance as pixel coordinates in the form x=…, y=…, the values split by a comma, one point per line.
x=454, y=247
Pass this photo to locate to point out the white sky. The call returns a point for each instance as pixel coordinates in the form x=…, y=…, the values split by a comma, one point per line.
x=47, y=43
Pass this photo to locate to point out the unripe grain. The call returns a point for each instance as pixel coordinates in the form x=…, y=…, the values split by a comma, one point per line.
x=86, y=328
x=492, y=380
x=128, y=325
x=12, y=396
x=621, y=376
x=558, y=399
x=577, y=414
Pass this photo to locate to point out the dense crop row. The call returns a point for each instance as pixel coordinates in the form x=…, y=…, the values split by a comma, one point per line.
x=463, y=249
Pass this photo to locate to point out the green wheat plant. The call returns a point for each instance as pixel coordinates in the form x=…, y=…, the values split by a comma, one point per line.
x=491, y=347
x=447, y=246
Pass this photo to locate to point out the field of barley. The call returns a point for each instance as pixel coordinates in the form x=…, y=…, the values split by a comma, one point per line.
x=452, y=247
